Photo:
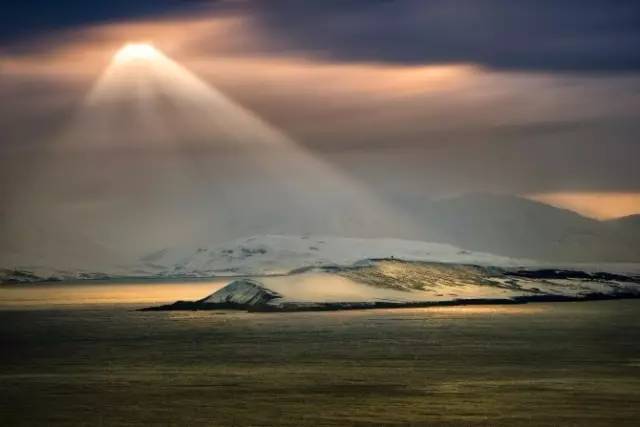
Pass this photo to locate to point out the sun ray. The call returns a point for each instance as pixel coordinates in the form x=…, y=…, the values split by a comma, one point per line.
x=146, y=103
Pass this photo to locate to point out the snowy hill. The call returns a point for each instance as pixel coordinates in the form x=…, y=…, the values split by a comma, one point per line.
x=276, y=254
x=512, y=228
x=268, y=255
x=393, y=283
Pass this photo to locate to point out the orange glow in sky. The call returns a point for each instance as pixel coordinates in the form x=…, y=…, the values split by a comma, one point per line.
x=595, y=205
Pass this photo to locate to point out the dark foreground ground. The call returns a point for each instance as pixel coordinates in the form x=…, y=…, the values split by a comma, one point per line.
x=536, y=364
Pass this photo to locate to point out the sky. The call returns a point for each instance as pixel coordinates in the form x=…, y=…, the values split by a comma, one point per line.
x=395, y=99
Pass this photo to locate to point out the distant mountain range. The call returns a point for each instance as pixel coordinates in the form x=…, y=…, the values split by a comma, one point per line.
x=479, y=224
x=518, y=227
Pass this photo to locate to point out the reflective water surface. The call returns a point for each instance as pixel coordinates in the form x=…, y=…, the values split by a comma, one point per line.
x=100, y=292
x=87, y=357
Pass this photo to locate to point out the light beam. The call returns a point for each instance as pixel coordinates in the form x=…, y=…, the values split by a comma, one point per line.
x=155, y=139
x=137, y=52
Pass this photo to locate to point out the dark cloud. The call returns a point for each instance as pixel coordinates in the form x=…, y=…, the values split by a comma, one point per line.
x=20, y=20
x=568, y=35
x=539, y=35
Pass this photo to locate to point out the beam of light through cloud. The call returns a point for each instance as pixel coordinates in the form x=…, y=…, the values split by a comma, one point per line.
x=134, y=148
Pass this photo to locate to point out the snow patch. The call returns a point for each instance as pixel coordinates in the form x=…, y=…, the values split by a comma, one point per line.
x=242, y=292
x=278, y=254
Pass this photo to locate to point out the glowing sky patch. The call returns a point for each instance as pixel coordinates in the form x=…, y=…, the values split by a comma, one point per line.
x=137, y=52
x=599, y=205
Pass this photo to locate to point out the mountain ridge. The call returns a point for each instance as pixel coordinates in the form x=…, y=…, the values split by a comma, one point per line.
x=519, y=227
x=502, y=226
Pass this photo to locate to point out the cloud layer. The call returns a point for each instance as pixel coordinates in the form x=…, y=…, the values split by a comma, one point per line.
x=540, y=35
x=408, y=99
x=585, y=35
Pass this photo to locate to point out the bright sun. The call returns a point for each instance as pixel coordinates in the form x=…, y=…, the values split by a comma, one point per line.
x=137, y=51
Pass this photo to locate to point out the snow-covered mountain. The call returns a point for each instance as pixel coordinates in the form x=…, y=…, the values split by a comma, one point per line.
x=467, y=229
x=277, y=254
